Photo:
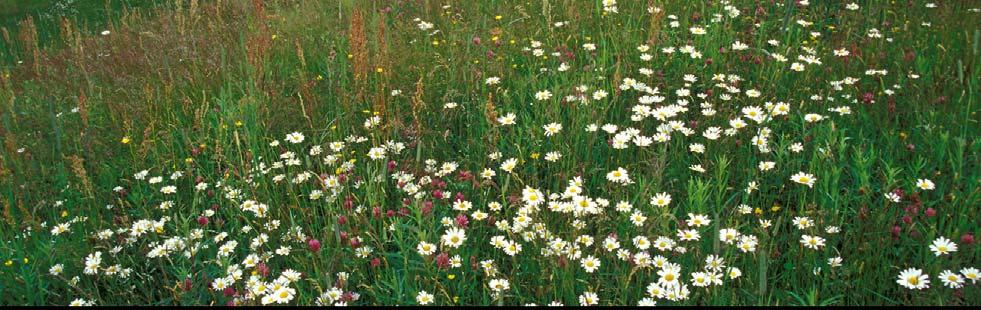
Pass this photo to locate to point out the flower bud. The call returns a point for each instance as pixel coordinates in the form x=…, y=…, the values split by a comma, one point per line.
x=462, y=220
x=314, y=245
x=967, y=239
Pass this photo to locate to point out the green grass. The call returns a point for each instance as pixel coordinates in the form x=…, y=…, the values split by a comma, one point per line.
x=204, y=89
x=47, y=14
x=17, y=9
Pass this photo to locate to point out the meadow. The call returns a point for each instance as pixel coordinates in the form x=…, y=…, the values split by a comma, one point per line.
x=498, y=152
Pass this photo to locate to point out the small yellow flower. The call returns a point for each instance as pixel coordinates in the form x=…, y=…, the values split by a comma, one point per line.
x=902, y=135
x=26, y=260
x=498, y=17
x=349, y=56
x=238, y=123
x=451, y=276
x=535, y=155
x=64, y=213
x=456, y=299
x=375, y=113
x=8, y=263
x=188, y=160
x=775, y=208
x=758, y=211
x=320, y=77
x=274, y=37
x=379, y=69
x=125, y=140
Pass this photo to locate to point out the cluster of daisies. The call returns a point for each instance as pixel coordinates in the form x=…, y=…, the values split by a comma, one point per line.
x=916, y=279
